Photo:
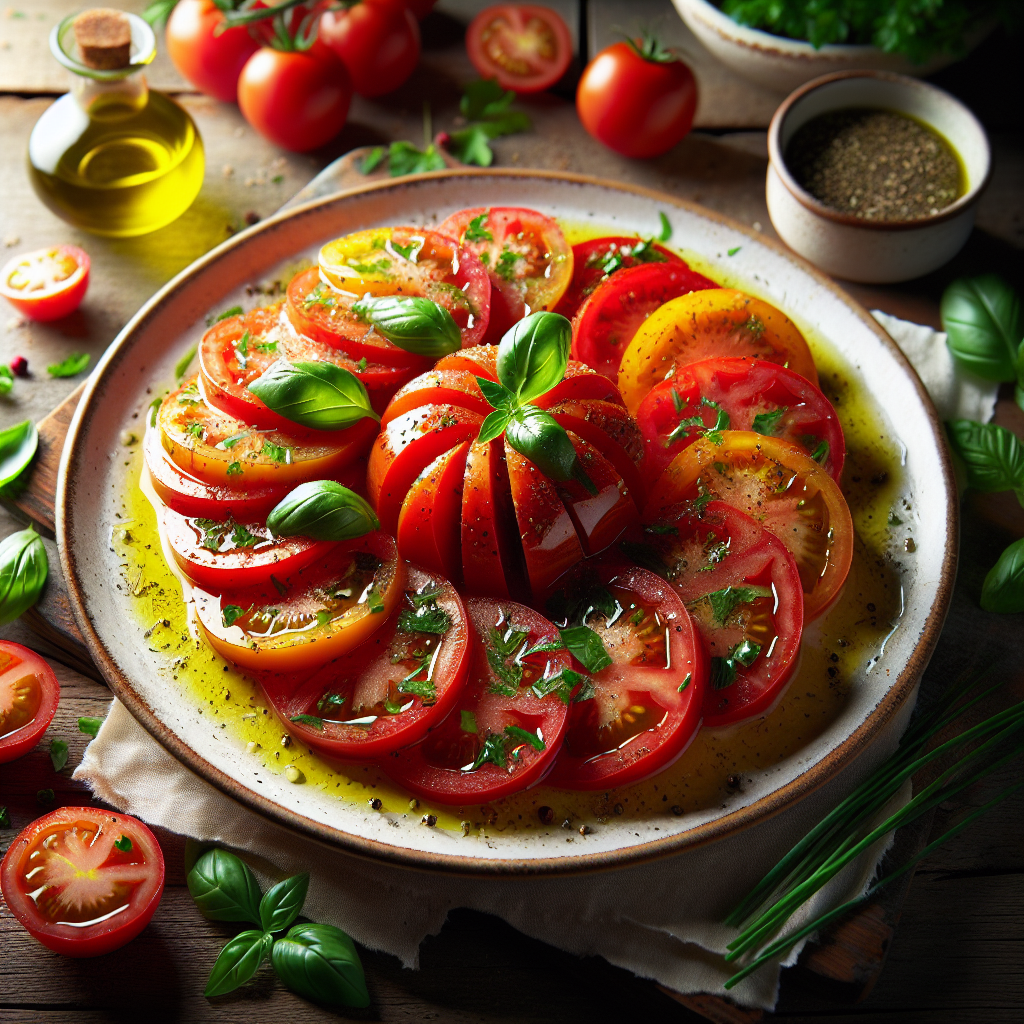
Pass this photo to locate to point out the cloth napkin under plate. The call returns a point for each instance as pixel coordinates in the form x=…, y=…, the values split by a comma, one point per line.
x=669, y=929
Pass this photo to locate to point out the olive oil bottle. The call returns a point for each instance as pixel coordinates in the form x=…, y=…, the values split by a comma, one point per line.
x=112, y=156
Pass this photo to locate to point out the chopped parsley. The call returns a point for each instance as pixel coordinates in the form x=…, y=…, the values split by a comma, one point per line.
x=242, y=350
x=475, y=231
x=229, y=442
x=502, y=655
x=312, y=720
x=195, y=430
x=409, y=251
x=821, y=452
x=216, y=535
x=124, y=844
x=319, y=296
x=234, y=469
x=330, y=700
x=495, y=747
x=424, y=620
x=563, y=684
x=768, y=422
x=505, y=268
x=230, y=614
x=467, y=721
x=277, y=452
x=724, y=602
x=380, y=267
x=374, y=601
x=723, y=670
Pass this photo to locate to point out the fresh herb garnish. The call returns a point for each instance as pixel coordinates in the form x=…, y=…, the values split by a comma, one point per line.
x=310, y=720
x=666, y=227
x=586, y=645
x=767, y=422
x=58, y=754
x=503, y=648
x=215, y=318
x=70, y=367
x=18, y=446
x=276, y=452
x=413, y=323
x=724, y=602
x=23, y=571
x=495, y=746
x=234, y=469
x=230, y=614
x=467, y=721
x=424, y=620
x=124, y=844
x=820, y=453
x=90, y=726
x=323, y=510
x=321, y=396
x=330, y=700
x=475, y=231
x=181, y=367
x=505, y=266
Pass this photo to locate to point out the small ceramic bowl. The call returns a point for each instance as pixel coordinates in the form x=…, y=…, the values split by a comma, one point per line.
x=846, y=246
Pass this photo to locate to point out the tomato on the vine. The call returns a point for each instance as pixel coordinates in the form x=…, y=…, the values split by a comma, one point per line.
x=46, y=284
x=29, y=693
x=527, y=48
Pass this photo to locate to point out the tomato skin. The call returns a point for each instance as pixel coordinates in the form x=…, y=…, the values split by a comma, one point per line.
x=527, y=48
x=39, y=697
x=298, y=101
x=421, y=8
x=210, y=60
x=104, y=936
x=58, y=298
x=640, y=108
x=377, y=40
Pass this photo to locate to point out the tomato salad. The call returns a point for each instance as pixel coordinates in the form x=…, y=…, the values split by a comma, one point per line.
x=483, y=508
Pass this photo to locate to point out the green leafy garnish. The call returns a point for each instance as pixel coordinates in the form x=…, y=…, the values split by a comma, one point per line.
x=1003, y=589
x=724, y=602
x=820, y=453
x=425, y=619
x=18, y=446
x=234, y=469
x=310, y=720
x=323, y=510
x=586, y=645
x=475, y=231
x=230, y=613
x=666, y=228
x=90, y=726
x=992, y=455
x=23, y=571
x=505, y=267
x=321, y=396
x=215, y=318
x=467, y=721
x=70, y=367
x=181, y=367
x=330, y=700
x=767, y=422
x=502, y=650
x=124, y=844
x=735, y=249
x=58, y=754
x=413, y=323
x=277, y=452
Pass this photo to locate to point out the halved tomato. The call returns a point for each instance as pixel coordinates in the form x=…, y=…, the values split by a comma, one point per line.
x=412, y=261
x=501, y=737
x=527, y=48
x=741, y=394
x=742, y=587
x=779, y=486
x=525, y=253
x=83, y=880
x=391, y=690
x=608, y=319
x=704, y=325
x=597, y=259
x=318, y=613
x=646, y=705
x=29, y=693
x=46, y=284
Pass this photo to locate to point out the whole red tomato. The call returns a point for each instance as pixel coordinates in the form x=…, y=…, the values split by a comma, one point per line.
x=378, y=41
x=637, y=98
x=297, y=99
x=421, y=8
x=210, y=60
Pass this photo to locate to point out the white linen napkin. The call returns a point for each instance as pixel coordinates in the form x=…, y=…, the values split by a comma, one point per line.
x=661, y=920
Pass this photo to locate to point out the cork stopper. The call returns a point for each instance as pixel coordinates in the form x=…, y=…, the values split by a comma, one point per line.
x=104, y=37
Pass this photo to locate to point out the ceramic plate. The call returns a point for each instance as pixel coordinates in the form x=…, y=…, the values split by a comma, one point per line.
x=92, y=483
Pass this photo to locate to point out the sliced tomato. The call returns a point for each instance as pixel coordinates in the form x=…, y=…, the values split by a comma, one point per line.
x=46, y=284
x=219, y=449
x=742, y=394
x=704, y=325
x=391, y=690
x=527, y=48
x=608, y=319
x=525, y=253
x=316, y=614
x=595, y=260
x=83, y=880
x=779, y=486
x=29, y=693
x=480, y=359
x=743, y=589
x=412, y=261
x=438, y=387
x=501, y=737
x=647, y=704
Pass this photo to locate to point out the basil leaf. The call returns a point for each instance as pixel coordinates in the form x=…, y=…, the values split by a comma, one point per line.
x=323, y=510
x=984, y=323
x=239, y=960
x=587, y=647
x=90, y=726
x=724, y=602
x=58, y=754
x=1003, y=589
x=666, y=227
x=484, y=98
x=224, y=888
x=405, y=158
x=498, y=396
x=70, y=367
x=412, y=323
x=23, y=571
x=494, y=425
x=993, y=456
x=321, y=396
x=544, y=441
x=282, y=903
x=320, y=962
x=533, y=354
x=17, y=447
x=6, y=380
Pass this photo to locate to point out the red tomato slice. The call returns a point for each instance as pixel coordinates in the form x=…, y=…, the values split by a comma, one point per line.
x=391, y=690
x=29, y=693
x=754, y=395
x=709, y=324
x=596, y=260
x=743, y=589
x=75, y=890
x=48, y=283
x=647, y=704
x=438, y=387
x=780, y=487
x=525, y=253
x=318, y=613
x=608, y=319
x=228, y=554
x=525, y=47
x=480, y=359
x=501, y=738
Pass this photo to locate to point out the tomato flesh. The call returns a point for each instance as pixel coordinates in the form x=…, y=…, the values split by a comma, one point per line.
x=46, y=284
x=525, y=47
x=29, y=693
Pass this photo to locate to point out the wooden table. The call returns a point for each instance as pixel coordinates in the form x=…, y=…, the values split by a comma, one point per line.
x=958, y=952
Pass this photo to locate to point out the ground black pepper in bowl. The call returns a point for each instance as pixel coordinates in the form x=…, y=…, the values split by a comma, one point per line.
x=875, y=164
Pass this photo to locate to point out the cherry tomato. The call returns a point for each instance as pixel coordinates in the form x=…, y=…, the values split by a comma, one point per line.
x=607, y=321
x=525, y=253
x=391, y=690
x=782, y=488
x=46, y=284
x=743, y=394
x=297, y=100
x=636, y=99
x=704, y=325
x=29, y=693
x=743, y=589
x=594, y=261
x=318, y=613
x=377, y=40
x=501, y=737
x=205, y=53
x=525, y=47
x=647, y=703
x=83, y=880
